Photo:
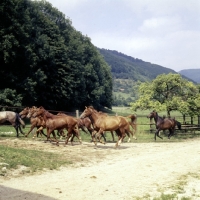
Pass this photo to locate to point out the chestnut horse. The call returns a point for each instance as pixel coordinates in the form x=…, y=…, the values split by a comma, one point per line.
x=36, y=122
x=59, y=122
x=164, y=124
x=103, y=123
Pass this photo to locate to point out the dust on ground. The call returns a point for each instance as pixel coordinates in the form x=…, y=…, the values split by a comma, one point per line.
x=133, y=170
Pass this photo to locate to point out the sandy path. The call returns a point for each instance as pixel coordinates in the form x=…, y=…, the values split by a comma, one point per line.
x=133, y=170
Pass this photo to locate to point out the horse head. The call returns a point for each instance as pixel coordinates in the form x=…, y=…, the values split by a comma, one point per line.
x=24, y=112
x=87, y=112
x=38, y=111
x=153, y=114
x=31, y=111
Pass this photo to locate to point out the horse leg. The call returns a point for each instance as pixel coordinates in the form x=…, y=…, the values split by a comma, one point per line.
x=32, y=127
x=20, y=129
x=94, y=137
x=16, y=129
x=77, y=134
x=112, y=135
x=55, y=139
x=100, y=133
x=69, y=135
x=121, y=136
x=157, y=134
x=37, y=132
x=134, y=127
x=49, y=131
x=43, y=133
x=171, y=131
x=103, y=135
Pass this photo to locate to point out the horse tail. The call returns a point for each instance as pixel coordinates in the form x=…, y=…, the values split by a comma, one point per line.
x=132, y=117
x=19, y=120
x=178, y=124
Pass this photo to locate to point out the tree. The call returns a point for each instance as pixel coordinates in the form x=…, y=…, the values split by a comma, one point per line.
x=9, y=97
x=168, y=92
x=47, y=61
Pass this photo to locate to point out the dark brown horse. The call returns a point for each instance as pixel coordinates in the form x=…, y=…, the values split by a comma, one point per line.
x=163, y=124
x=14, y=118
x=103, y=123
x=58, y=122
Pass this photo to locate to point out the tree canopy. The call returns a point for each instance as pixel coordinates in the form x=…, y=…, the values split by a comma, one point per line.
x=46, y=61
x=169, y=92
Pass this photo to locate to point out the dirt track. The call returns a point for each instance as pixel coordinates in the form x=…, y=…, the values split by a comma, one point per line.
x=133, y=170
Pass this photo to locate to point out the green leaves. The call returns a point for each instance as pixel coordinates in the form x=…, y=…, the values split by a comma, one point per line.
x=47, y=61
x=169, y=92
x=9, y=97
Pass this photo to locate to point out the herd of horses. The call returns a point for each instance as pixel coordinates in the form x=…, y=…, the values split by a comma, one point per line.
x=91, y=120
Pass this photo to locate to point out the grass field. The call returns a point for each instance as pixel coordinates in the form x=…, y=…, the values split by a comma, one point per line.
x=36, y=160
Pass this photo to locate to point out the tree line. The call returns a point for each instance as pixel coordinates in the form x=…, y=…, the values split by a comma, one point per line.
x=45, y=61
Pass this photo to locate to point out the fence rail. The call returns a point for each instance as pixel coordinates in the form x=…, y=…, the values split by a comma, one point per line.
x=188, y=123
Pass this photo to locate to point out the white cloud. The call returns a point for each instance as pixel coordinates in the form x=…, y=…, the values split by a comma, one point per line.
x=165, y=24
x=164, y=32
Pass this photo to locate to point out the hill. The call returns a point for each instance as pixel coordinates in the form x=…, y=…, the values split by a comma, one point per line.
x=127, y=67
x=192, y=74
x=127, y=71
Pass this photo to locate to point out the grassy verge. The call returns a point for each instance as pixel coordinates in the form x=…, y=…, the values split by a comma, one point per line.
x=177, y=191
x=33, y=160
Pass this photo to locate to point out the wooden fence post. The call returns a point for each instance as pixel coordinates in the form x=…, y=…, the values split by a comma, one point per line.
x=77, y=113
x=151, y=125
x=198, y=120
x=184, y=119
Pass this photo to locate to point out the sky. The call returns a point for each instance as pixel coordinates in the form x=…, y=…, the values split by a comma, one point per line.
x=163, y=32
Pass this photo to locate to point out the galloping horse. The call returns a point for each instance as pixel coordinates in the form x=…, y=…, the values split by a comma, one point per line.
x=163, y=124
x=14, y=119
x=58, y=122
x=107, y=123
x=37, y=122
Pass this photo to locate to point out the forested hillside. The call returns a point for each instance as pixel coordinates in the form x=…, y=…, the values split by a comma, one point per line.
x=128, y=73
x=127, y=67
x=45, y=61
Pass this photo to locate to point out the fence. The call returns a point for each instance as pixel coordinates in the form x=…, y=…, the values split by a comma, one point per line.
x=188, y=123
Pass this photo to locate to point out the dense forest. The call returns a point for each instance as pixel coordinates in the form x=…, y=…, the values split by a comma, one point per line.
x=46, y=61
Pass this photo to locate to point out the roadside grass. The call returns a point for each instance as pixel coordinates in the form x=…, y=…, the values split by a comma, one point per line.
x=33, y=160
x=176, y=191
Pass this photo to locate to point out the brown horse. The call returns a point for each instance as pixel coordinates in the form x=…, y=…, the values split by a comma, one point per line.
x=36, y=122
x=103, y=123
x=58, y=122
x=163, y=124
x=39, y=123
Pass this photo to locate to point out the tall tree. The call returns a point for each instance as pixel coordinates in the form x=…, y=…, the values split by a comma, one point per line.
x=167, y=92
x=47, y=61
